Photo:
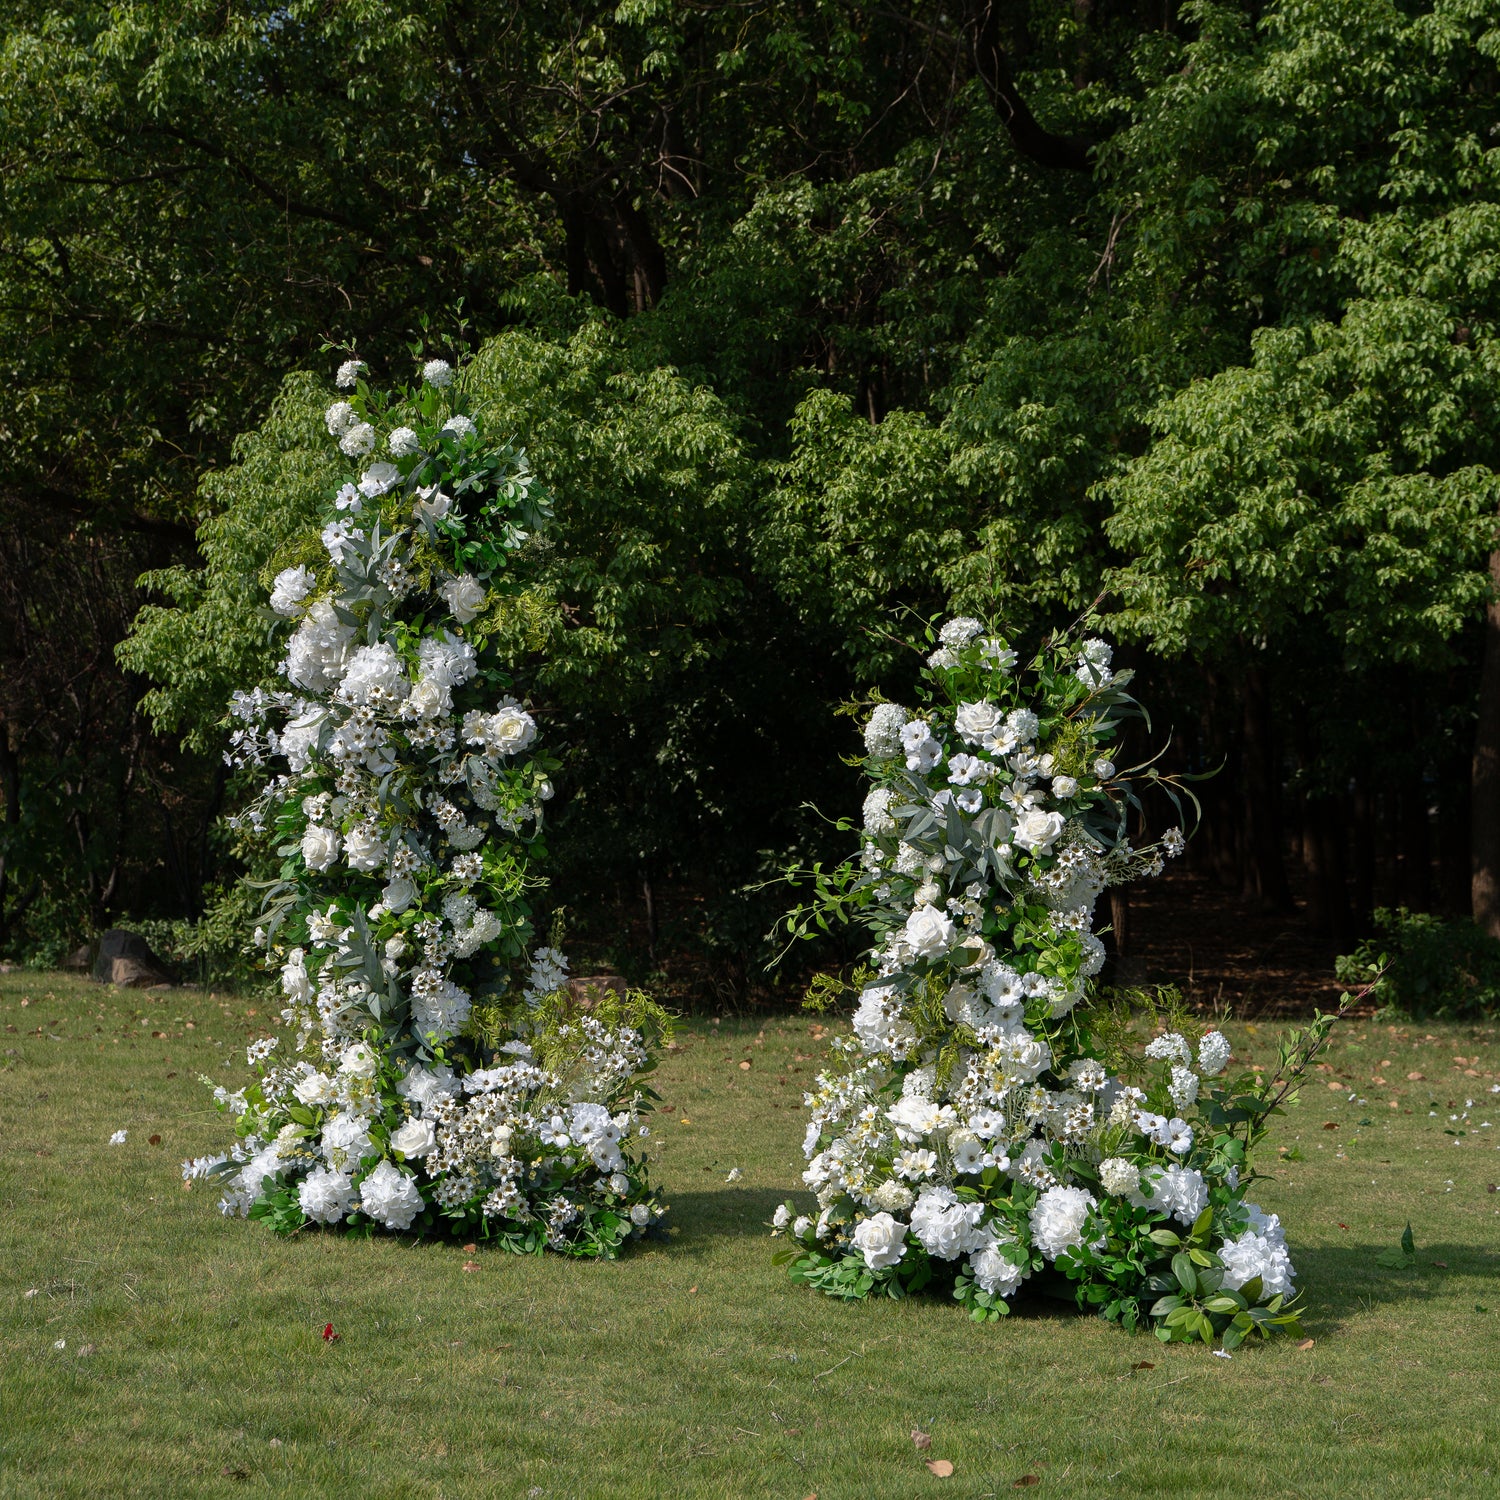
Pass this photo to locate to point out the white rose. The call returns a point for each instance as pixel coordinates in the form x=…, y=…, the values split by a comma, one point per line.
x=640, y=1216
x=415, y=1138
x=511, y=729
x=364, y=848
x=399, y=894
x=1064, y=786
x=320, y=847
x=465, y=596
x=1037, y=830
x=431, y=504
x=928, y=932
x=428, y=699
x=976, y=720
x=881, y=1240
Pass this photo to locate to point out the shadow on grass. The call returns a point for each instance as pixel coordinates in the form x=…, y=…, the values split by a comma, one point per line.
x=724, y=1213
x=1340, y=1281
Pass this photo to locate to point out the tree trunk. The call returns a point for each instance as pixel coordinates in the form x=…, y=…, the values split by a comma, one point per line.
x=1264, y=873
x=1484, y=885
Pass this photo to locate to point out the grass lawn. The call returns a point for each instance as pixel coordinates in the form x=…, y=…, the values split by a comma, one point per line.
x=150, y=1347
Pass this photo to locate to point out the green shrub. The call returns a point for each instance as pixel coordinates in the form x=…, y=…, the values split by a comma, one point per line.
x=1433, y=966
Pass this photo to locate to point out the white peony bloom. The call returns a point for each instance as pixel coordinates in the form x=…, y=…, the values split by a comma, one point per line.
x=1119, y=1177
x=1213, y=1054
x=379, y=479
x=390, y=1197
x=403, y=442
x=291, y=587
x=295, y=984
x=977, y=722
x=318, y=649
x=881, y=1240
x=929, y=933
x=946, y=1227
x=465, y=596
x=327, y=1196
x=447, y=660
x=364, y=848
x=359, y=1061
x=1058, y=1219
x=320, y=847
x=415, y=1138
x=358, y=441
x=883, y=731
x=424, y=1086
x=437, y=372
x=314, y=1089
x=1038, y=831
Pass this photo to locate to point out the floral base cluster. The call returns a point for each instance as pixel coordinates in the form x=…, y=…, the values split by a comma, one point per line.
x=984, y=1124
x=434, y=1075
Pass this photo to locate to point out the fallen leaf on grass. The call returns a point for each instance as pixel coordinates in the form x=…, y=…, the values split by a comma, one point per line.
x=744, y=1065
x=691, y=1290
x=1414, y=1078
x=1330, y=1125
x=1026, y=1481
x=923, y=1440
x=86, y=1351
x=471, y=1249
x=1442, y=1265
x=229, y=1473
x=1306, y=1344
x=154, y=1140
x=941, y=1467
x=471, y=1265
x=1144, y=1364
x=329, y=1336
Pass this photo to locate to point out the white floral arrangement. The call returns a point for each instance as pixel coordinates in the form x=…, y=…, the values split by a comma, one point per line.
x=982, y=1125
x=440, y=1078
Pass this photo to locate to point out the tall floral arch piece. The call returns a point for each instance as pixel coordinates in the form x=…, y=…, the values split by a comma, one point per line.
x=986, y=1121
x=436, y=1075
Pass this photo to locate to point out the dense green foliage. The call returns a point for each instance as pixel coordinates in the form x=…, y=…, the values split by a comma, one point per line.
x=1427, y=966
x=808, y=320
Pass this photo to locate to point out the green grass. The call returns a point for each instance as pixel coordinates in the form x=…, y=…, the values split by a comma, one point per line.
x=193, y=1362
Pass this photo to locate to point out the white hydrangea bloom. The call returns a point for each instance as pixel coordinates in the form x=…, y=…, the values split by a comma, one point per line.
x=883, y=731
x=1058, y=1219
x=390, y=1197
x=437, y=372
x=327, y=1196
x=291, y=587
x=1213, y=1054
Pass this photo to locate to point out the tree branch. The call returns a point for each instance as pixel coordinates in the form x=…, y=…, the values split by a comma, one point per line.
x=1069, y=152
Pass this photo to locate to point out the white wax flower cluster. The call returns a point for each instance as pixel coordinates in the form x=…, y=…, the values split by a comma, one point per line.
x=965, y=1122
x=408, y=791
